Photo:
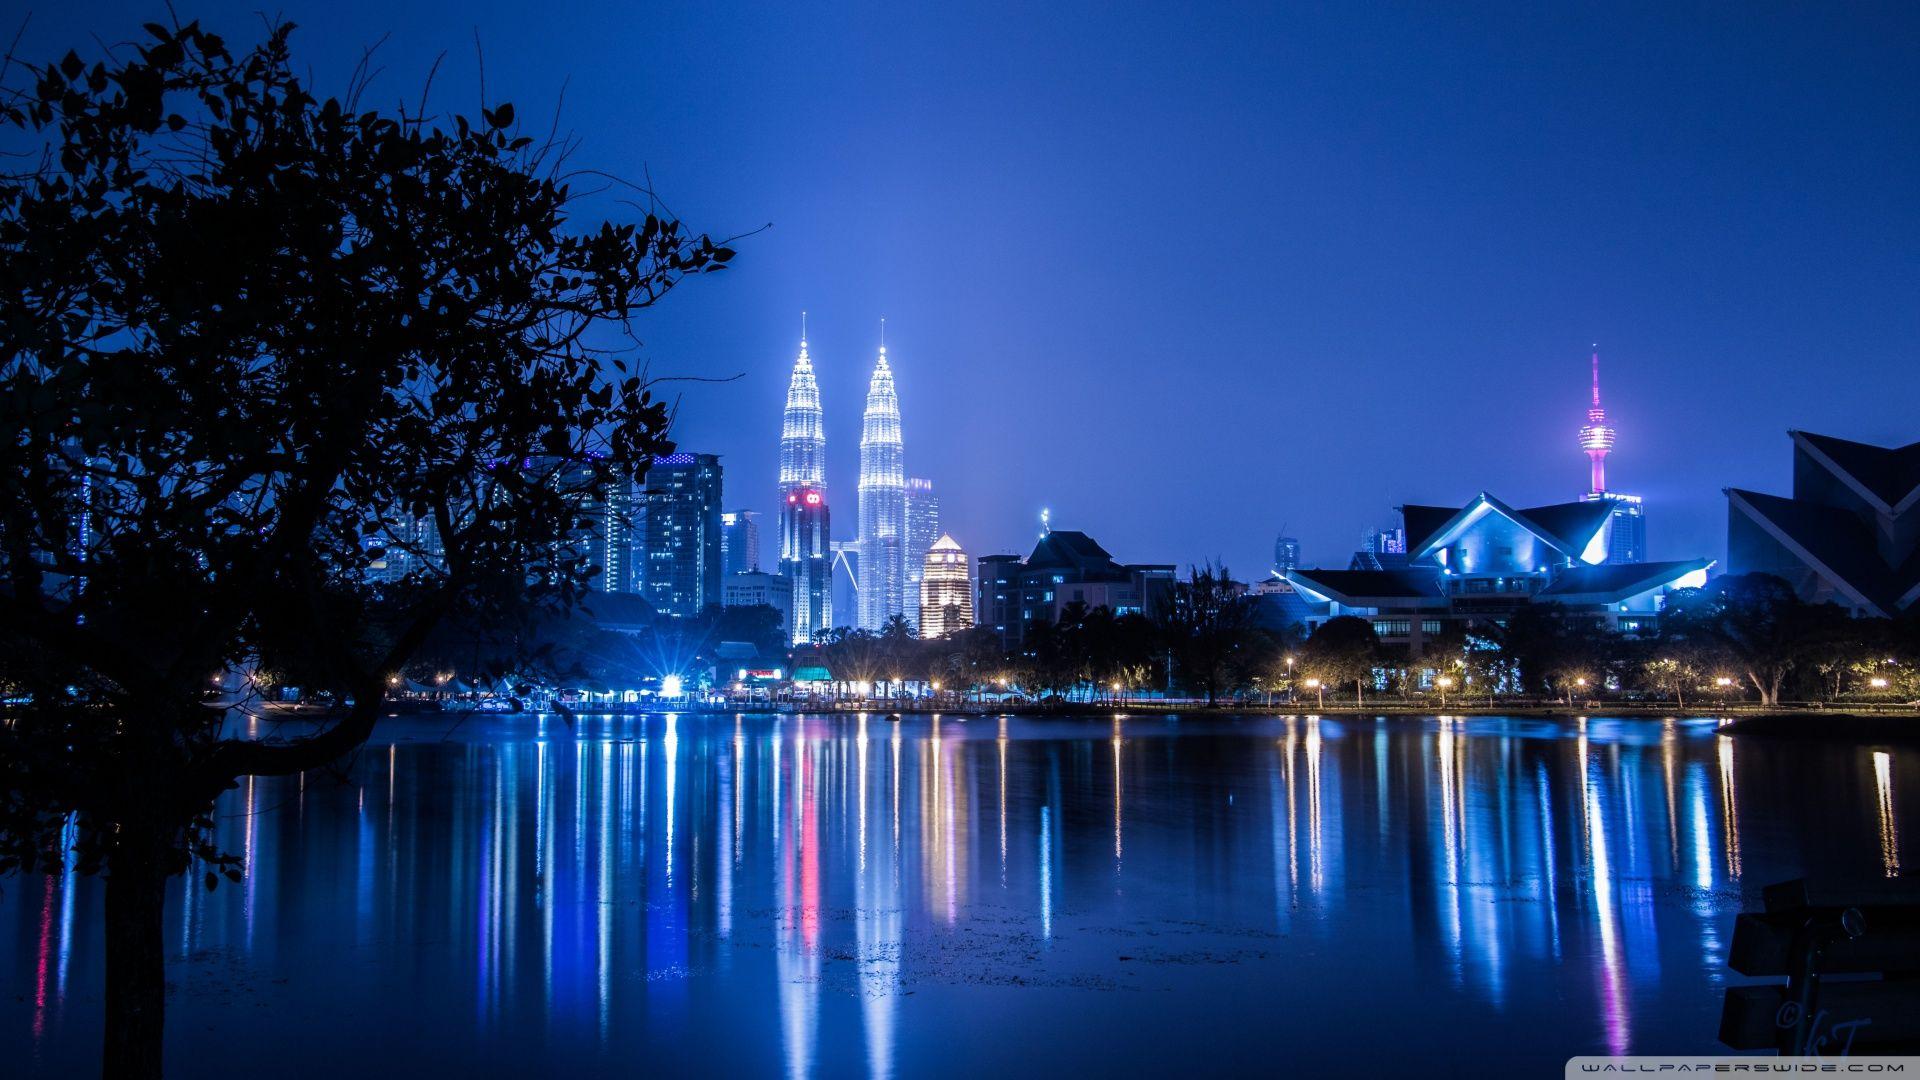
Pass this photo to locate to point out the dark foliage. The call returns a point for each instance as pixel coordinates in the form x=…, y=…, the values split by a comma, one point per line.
x=250, y=340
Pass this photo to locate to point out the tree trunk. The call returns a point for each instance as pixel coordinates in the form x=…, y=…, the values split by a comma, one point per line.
x=136, y=979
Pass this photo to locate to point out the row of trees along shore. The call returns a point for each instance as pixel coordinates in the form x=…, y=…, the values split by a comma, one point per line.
x=1745, y=637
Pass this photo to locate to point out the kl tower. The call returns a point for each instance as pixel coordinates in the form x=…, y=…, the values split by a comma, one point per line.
x=1627, y=529
x=1596, y=438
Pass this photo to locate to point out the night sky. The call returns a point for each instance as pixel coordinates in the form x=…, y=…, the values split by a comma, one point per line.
x=1187, y=278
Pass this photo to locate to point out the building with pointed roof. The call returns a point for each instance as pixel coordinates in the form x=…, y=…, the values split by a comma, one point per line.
x=1850, y=533
x=946, y=589
x=1483, y=561
x=805, y=525
x=883, y=503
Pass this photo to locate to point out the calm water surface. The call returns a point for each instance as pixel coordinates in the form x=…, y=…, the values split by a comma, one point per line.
x=842, y=897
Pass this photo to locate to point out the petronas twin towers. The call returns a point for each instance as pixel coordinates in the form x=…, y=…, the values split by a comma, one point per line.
x=884, y=539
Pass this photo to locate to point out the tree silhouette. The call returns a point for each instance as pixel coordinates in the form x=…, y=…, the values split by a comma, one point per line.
x=1762, y=625
x=251, y=344
x=1207, y=623
x=1344, y=649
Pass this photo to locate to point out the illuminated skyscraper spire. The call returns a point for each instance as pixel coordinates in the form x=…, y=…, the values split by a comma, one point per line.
x=803, y=439
x=1596, y=438
x=805, y=555
x=883, y=501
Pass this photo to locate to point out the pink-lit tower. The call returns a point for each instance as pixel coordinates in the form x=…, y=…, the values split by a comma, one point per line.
x=1596, y=438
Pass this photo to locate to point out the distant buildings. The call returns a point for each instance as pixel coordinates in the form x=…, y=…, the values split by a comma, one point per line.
x=754, y=588
x=805, y=559
x=680, y=568
x=946, y=589
x=883, y=503
x=1850, y=534
x=1380, y=549
x=1481, y=562
x=1286, y=553
x=923, y=528
x=1065, y=567
x=739, y=542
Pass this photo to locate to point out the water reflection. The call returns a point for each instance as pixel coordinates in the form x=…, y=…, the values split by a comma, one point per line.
x=832, y=895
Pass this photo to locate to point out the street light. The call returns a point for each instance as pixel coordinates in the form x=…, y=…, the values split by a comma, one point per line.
x=1443, y=682
x=1314, y=685
x=1877, y=683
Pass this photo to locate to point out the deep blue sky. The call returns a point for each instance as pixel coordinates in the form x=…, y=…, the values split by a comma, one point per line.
x=1185, y=277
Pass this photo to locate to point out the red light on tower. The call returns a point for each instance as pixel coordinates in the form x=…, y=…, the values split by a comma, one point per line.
x=813, y=498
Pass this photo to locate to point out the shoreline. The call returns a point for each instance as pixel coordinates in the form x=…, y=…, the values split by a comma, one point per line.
x=1848, y=722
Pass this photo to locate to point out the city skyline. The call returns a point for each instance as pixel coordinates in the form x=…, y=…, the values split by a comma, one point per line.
x=1383, y=223
x=1451, y=206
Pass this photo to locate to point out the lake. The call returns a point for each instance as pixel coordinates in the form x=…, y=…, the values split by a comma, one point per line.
x=846, y=896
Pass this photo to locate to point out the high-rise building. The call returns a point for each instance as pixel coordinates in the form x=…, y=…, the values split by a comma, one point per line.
x=605, y=515
x=680, y=567
x=883, y=503
x=1286, y=553
x=946, y=589
x=622, y=528
x=805, y=558
x=1628, y=527
x=739, y=542
x=923, y=527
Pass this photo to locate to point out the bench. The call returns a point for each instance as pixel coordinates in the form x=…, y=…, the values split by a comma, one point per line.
x=1850, y=952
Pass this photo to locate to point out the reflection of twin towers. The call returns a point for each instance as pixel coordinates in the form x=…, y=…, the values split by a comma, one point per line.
x=898, y=517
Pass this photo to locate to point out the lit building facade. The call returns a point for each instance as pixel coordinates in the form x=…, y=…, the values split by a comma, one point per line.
x=1479, y=563
x=923, y=529
x=946, y=589
x=805, y=525
x=739, y=542
x=883, y=504
x=1849, y=535
x=1065, y=567
x=680, y=565
x=607, y=517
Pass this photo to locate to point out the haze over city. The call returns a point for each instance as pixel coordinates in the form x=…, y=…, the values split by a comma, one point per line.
x=1189, y=278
